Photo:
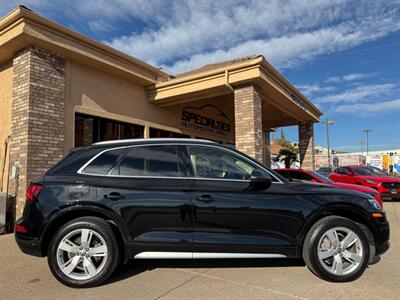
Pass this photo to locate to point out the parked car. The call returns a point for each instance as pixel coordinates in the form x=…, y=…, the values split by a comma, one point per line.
x=387, y=186
x=190, y=199
x=311, y=176
x=325, y=171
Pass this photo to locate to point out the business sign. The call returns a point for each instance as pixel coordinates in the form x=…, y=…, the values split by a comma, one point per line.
x=299, y=101
x=206, y=118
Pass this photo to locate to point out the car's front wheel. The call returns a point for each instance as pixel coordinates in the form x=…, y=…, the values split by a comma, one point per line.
x=83, y=253
x=336, y=249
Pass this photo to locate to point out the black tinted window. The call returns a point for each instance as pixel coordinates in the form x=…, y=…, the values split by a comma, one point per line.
x=103, y=163
x=340, y=171
x=347, y=171
x=150, y=161
x=300, y=176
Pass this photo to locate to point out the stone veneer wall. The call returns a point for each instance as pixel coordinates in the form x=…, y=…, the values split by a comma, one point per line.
x=37, y=116
x=306, y=146
x=248, y=121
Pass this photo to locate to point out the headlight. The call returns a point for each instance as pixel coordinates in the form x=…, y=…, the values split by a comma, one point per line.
x=370, y=181
x=375, y=204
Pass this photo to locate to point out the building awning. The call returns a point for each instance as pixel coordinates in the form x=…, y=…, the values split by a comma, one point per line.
x=221, y=78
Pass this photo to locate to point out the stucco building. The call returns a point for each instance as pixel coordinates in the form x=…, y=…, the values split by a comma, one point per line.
x=60, y=89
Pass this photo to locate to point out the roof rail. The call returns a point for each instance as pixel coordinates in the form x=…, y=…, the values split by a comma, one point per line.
x=125, y=141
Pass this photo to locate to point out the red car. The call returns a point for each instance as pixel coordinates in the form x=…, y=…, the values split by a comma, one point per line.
x=387, y=186
x=301, y=174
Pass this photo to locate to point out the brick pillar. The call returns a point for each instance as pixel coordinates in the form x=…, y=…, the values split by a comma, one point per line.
x=306, y=146
x=37, y=121
x=248, y=121
x=267, y=146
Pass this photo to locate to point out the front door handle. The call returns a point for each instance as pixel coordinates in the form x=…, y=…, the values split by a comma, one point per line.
x=205, y=198
x=113, y=196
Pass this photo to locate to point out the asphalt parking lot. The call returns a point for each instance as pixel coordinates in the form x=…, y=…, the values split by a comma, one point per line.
x=25, y=277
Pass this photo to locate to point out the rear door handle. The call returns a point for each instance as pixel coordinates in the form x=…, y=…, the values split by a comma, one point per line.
x=113, y=196
x=205, y=198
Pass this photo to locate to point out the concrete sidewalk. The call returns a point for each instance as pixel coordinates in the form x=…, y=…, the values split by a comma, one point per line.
x=25, y=277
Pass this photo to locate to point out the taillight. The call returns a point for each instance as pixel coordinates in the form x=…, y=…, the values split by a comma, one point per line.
x=33, y=191
x=20, y=228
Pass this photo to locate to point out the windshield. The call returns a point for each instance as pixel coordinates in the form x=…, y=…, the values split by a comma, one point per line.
x=322, y=177
x=369, y=171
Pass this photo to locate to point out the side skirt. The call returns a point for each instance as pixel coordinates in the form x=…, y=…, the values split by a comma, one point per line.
x=203, y=255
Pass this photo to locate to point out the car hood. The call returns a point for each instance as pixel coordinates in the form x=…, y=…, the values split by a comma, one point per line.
x=321, y=188
x=382, y=178
x=354, y=187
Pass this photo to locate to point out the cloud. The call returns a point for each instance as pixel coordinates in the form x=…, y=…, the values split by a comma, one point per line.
x=369, y=109
x=363, y=92
x=310, y=89
x=288, y=34
x=348, y=77
x=355, y=76
x=181, y=35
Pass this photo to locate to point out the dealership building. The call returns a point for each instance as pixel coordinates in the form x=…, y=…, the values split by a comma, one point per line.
x=60, y=89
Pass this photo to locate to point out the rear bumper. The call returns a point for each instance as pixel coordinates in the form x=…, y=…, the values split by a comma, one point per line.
x=28, y=244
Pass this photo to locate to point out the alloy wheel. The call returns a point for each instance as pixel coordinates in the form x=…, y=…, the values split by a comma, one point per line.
x=82, y=254
x=340, y=251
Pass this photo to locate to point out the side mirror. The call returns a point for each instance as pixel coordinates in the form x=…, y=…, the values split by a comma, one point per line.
x=260, y=180
x=349, y=174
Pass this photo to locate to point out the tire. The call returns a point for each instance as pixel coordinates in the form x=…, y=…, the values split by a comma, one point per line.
x=86, y=264
x=326, y=255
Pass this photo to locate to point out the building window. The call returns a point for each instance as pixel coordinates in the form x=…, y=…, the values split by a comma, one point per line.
x=158, y=133
x=90, y=129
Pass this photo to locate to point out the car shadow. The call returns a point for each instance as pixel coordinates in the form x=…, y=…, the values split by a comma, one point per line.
x=136, y=267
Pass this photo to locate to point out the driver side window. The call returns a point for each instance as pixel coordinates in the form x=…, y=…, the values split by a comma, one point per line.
x=214, y=163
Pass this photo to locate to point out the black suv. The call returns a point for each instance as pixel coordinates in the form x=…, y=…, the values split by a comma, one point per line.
x=188, y=199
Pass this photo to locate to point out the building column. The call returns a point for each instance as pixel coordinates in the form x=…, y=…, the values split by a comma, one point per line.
x=37, y=120
x=267, y=147
x=306, y=146
x=248, y=121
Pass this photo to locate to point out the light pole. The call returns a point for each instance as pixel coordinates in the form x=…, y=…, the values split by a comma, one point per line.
x=367, y=131
x=327, y=123
x=362, y=143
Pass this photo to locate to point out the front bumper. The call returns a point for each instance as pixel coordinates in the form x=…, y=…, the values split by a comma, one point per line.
x=381, y=232
x=386, y=193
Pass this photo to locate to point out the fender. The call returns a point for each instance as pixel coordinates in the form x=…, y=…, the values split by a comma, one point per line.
x=85, y=209
x=344, y=209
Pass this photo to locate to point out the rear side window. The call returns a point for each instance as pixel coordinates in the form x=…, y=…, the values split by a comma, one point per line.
x=150, y=161
x=340, y=170
x=102, y=164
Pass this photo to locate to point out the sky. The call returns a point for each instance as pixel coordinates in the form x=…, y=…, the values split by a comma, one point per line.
x=343, y=55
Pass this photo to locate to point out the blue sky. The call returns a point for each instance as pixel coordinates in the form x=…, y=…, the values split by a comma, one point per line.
x=343, y=55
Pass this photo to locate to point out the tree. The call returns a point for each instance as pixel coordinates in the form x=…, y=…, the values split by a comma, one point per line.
x=288, y=152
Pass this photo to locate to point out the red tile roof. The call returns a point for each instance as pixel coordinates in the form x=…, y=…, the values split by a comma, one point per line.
x=217, y=65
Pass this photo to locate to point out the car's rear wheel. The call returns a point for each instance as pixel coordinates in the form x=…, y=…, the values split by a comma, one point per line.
x=83, y=253
x=336, y=249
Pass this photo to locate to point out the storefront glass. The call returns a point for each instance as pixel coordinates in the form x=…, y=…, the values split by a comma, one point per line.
x=90, y=129
x=158, y=133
